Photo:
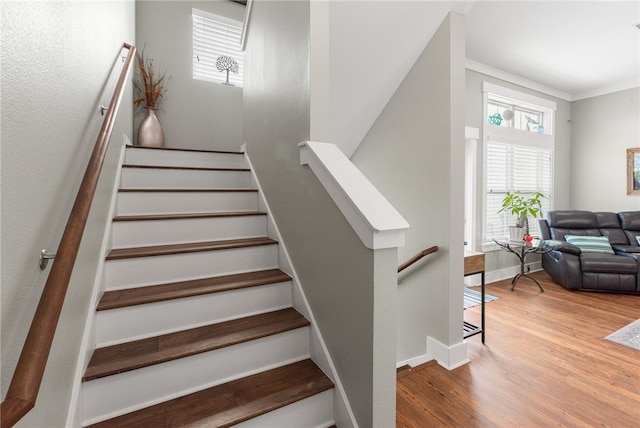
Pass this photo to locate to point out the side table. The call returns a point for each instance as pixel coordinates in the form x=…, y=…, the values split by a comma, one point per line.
x=522, y=249
x=473, y=265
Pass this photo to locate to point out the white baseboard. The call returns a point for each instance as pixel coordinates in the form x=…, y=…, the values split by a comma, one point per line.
x=74, y=415
x=449, y=357
x=414, y=362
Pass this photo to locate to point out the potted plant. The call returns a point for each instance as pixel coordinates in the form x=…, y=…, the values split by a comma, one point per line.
x=151, y=88
x=521, y=206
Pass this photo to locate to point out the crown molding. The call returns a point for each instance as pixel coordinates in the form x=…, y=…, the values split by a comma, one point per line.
x=622, y=86
x=518, y=80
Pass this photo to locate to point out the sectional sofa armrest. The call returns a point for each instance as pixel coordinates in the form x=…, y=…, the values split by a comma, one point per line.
x=561, y=246
x=630, y=249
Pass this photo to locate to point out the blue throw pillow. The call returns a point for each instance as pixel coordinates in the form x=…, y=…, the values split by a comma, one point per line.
x=591, y=244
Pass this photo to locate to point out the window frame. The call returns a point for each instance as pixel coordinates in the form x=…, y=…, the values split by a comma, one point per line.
x=233, y=48
x=514, y=136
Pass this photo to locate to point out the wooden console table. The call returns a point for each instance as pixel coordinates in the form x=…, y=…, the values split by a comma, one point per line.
x=473, y=265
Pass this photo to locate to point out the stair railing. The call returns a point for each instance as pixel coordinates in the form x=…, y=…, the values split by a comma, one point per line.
x=417, y=257
x=27, y=378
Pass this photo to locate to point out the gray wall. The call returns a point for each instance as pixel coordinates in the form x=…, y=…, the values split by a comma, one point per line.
x=57, y=67
x=193, y=113
x=562, y=161
x=602, y=129
x=335, y=269
x=411, y=154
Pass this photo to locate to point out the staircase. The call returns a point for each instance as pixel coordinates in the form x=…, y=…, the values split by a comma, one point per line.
x=196, y=326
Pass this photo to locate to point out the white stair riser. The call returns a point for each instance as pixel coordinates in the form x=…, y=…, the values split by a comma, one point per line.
x=313, y=412
x=134, y=203
x=140, y=233
x=140, y=271
x=122, y=393
x=137, y=156
x=121, y=325
x=144, y=178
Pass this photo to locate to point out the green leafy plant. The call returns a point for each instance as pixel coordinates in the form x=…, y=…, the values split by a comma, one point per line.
x=522, y=206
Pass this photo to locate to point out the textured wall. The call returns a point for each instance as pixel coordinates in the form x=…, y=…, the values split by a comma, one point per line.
x=194, y=113
x=56, y=68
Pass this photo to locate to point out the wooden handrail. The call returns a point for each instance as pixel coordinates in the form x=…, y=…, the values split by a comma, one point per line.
x=417, y=257
x=27, y=378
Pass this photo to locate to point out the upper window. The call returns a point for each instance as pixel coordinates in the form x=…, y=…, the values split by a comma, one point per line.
x=518, y=151
x=217, y=54
x=517, y=114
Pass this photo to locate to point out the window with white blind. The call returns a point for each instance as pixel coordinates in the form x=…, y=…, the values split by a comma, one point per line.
x=509, y=168
x=517, y=157
x=215, y=37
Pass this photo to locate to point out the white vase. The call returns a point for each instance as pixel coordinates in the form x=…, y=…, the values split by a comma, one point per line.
x=150, y=132
x=516, y=233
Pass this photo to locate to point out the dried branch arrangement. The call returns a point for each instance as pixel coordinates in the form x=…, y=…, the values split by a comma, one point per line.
x=151, y=87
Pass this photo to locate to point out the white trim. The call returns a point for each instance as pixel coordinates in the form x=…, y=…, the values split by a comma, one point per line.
x=472, y=135
x=519, y=96
x=501, y=134
x=214, y=36
x=519, y=137
x=245, y=25
x=342, y=410
x=622, y=86
x=373, y=218
x=518, y=80
x=209, y=15
x=530, y=84
x=74, y=415
x=414, y=362
x=449, y=357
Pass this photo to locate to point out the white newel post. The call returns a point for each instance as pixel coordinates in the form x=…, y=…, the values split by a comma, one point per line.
x=382, y=229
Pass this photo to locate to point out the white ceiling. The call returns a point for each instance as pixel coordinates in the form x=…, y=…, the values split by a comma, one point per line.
x=578, y=49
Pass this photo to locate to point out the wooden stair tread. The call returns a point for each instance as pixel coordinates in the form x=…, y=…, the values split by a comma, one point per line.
x=179, y=149
x=189, y=168
x=124, y=357
x=191, y=247
x=181, y=216
x=233, y=402
x=180, y=190
x=161, y=292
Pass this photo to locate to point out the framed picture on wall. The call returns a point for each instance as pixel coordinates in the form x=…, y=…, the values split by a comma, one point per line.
x=633, y=171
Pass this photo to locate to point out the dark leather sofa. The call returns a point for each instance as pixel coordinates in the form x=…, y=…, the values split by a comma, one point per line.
x=576, y=269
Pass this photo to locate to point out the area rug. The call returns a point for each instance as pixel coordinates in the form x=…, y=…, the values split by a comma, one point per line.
x=474, y=297
x=628, y=335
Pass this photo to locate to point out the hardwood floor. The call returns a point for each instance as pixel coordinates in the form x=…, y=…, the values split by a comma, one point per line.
x=545, y=363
